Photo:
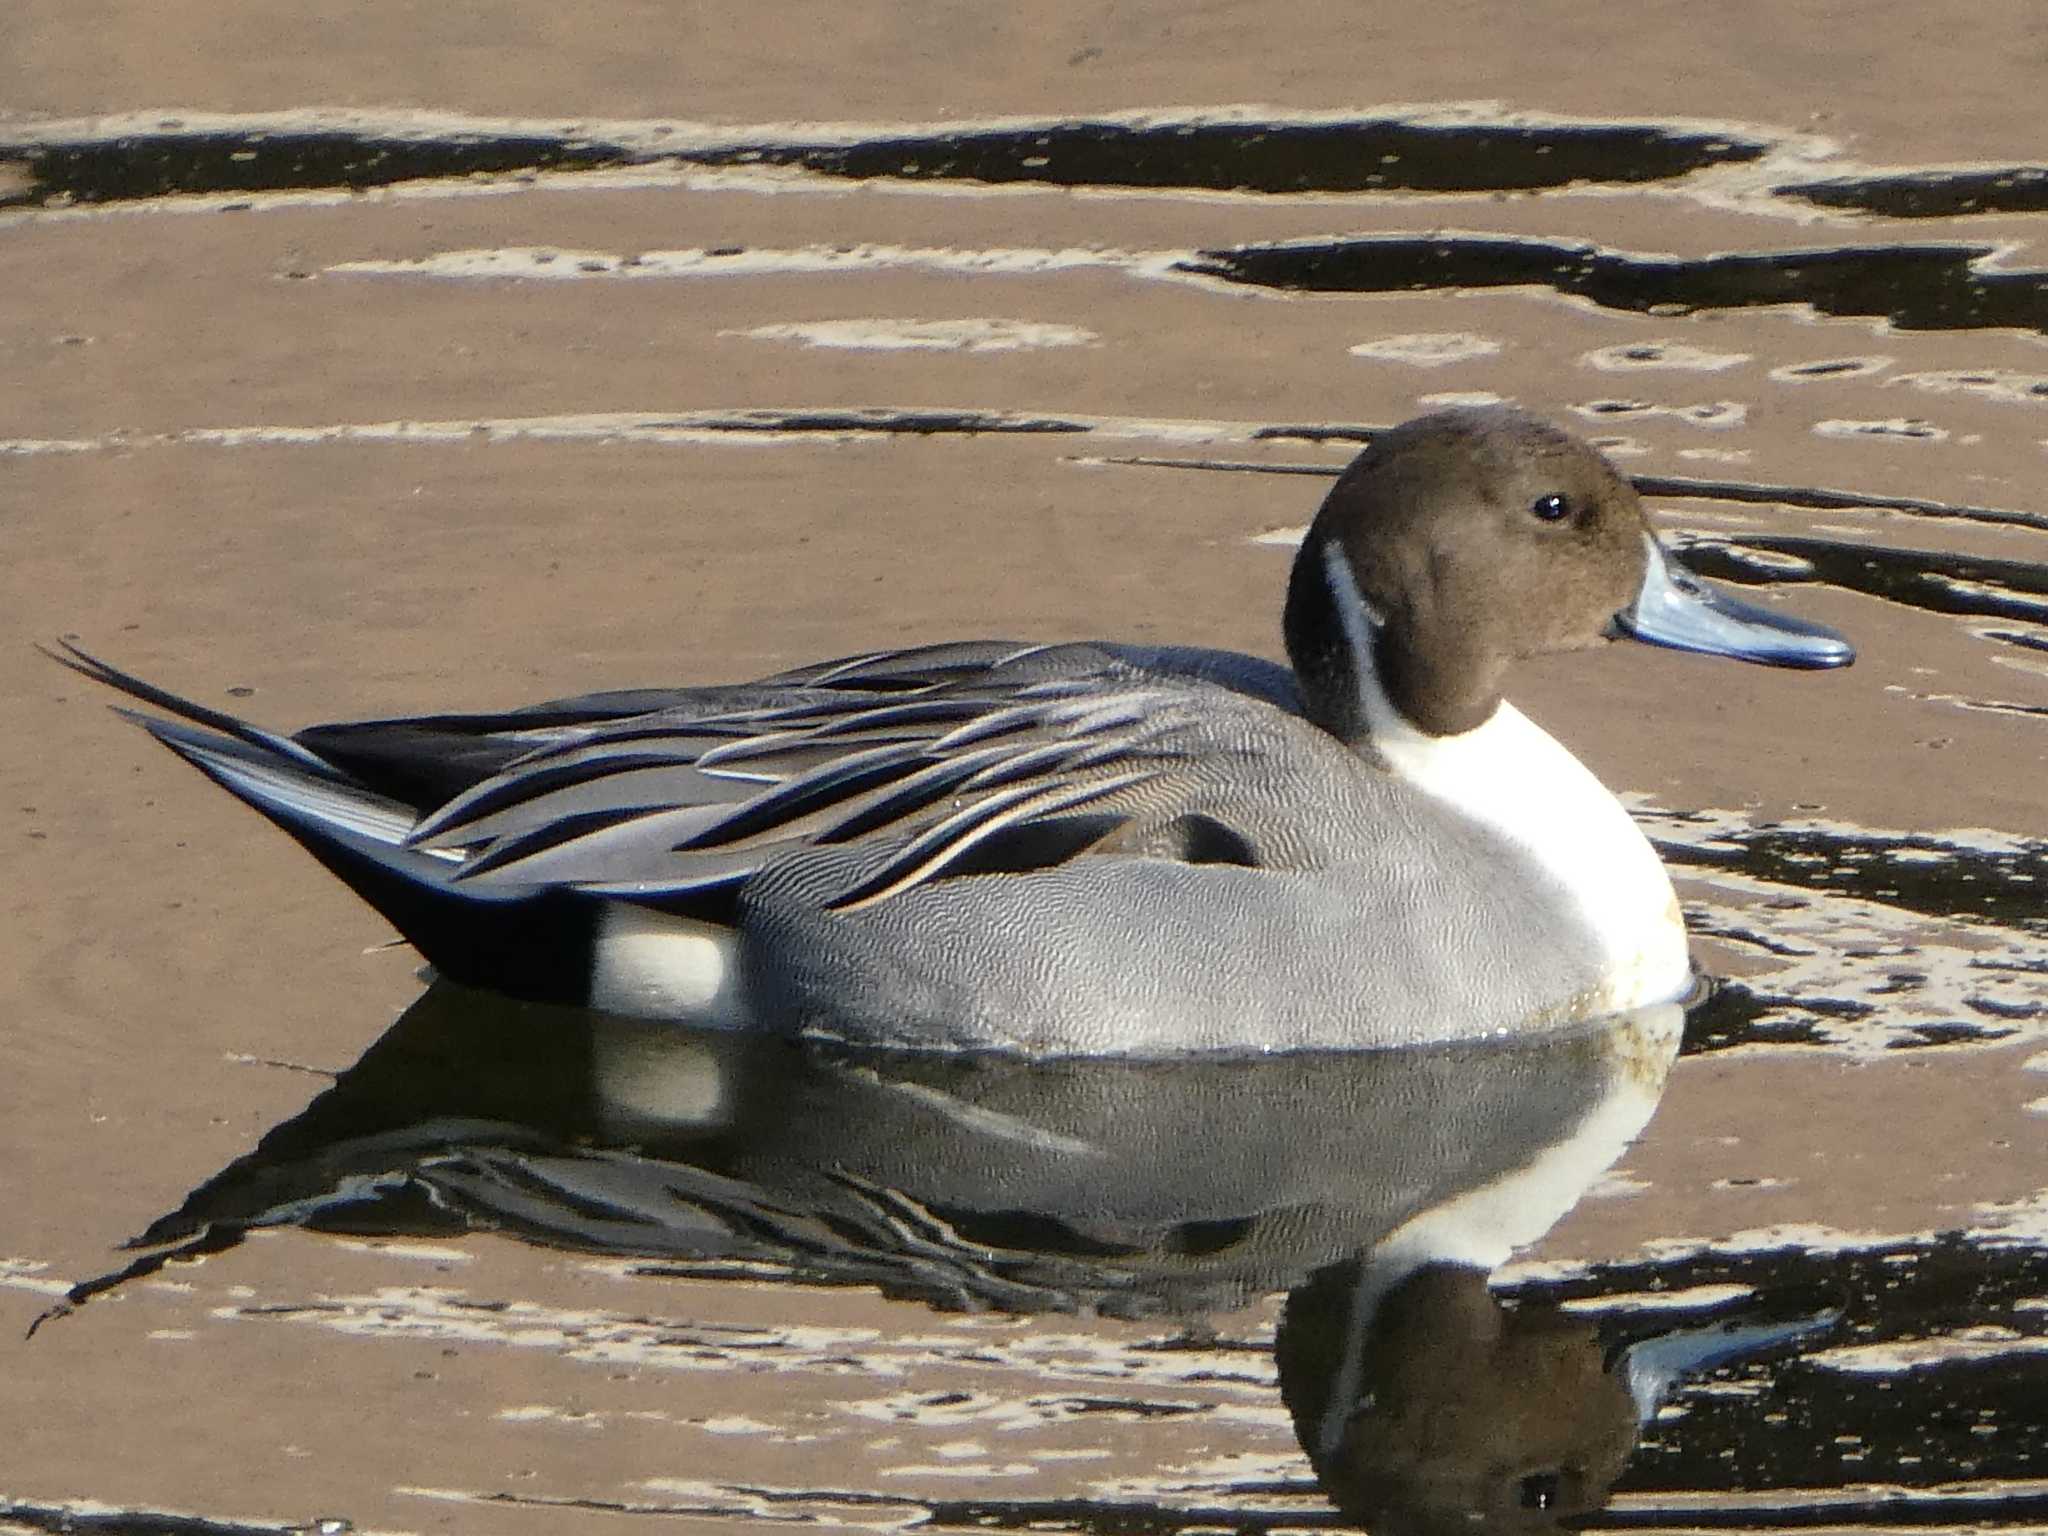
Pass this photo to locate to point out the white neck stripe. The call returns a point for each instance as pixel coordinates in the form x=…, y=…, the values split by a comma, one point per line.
x=1361, y=624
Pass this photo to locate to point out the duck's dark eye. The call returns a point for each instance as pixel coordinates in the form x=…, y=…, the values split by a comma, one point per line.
x=1552, y=508
x=1540, y=1490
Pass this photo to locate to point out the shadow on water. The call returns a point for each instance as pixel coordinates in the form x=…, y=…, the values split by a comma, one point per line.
x=1094, y=1184
x=1881, y=983
x=137, y=167
x=1933, y=1376
x=1919, y=873
x=70, y=1520
x=1816, y=498
x=1372, y=154
x=1360, y=154
x=1931, y=580
x=1377, y=1191
x=1931, y=194
x=1915, y=287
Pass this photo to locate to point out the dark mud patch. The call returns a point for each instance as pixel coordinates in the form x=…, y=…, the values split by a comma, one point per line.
x=1934, y=1376
x=1736, y=1014
x=1915, y=287
x=1931, y=194
x=1932, y=581
x=1851, y=925
x=1741, y=1013
x=2027, y=640
x=1930, y=876
x=1351, y=155
x=1364, y=155
x=910, y=423
x=139, y=167
x=1816, y=498
x=64, y=1520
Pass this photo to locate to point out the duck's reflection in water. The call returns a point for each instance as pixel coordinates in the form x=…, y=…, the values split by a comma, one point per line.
x=1426, y=1405
x=1377, y=1189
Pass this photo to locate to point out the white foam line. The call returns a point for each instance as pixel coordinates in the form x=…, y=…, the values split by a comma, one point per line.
x=2016, y=1225
x=592, y=1337
x=1458, y=398
x=52, y=445
x=1969, y=1346
x=26, y=1275
x=545, y=263
x=2001, y=384
x=671, y=175
x=767, y=180
x=1806, y=1237
x=1895, y=429
x=656, y=134
x=1427, y=349
x=1691, y=1296
x=1232, y=1470
x=425, y=1253
x=663, y=427
x=1763, y=559
x=676, y=1496
x=2018, y=1221
x=880, y=334
x=1962, y=586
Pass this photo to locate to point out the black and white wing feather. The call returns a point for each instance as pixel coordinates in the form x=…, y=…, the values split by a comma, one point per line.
x=678, y=808
x=905, y=766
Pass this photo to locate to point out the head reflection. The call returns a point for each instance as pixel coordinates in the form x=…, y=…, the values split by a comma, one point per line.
x=1466, y=1415
x=1377, y=1189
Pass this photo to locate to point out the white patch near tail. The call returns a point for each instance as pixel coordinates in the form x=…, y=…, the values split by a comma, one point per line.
x=649, y=1077
x=652, y=965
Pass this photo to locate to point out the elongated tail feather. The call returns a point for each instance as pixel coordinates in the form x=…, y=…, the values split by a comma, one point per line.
x=527, y=941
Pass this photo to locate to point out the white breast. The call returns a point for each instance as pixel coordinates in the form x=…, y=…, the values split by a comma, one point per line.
x=1511, y=775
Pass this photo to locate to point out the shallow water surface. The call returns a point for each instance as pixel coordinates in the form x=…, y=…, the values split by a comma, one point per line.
x=1377, y=1195
x=352, y=413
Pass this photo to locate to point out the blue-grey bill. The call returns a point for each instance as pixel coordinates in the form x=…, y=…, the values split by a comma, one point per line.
x=1677, y=609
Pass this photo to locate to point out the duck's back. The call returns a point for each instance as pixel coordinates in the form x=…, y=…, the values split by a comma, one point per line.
x=1260, y=886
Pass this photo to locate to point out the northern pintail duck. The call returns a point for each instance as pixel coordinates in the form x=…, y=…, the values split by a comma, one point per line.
x=1083, y=848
